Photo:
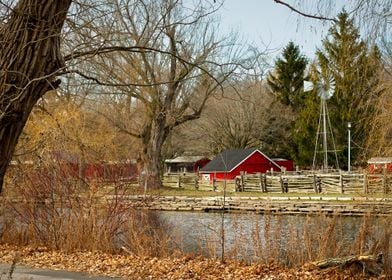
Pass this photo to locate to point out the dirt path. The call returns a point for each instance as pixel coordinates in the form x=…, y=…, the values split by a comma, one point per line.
x=28, y=273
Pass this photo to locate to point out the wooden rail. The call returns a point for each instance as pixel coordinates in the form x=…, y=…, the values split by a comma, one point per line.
x=337, y=182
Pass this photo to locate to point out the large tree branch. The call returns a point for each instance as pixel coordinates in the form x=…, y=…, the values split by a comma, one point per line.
x=303, y=13
x=143, y=50
x=120, y=126
x=197, y=112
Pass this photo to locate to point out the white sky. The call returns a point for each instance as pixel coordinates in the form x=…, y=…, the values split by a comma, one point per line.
x=266, y=23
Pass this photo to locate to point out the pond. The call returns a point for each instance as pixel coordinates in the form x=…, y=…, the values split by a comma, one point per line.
x=288, y=238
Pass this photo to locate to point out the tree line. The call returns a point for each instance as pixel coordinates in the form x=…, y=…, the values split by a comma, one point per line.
x=148, y=80
x=355, y=69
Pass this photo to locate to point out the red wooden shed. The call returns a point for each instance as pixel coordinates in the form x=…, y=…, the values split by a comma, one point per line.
x=230, y=163
x=380, y=165
x=288, y=164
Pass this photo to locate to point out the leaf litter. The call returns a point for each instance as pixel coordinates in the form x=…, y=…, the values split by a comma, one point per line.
x=128, y=266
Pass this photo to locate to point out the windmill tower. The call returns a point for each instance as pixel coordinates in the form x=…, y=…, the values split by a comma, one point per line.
x=325, y=89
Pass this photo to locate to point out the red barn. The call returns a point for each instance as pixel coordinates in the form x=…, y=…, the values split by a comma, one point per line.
x=380, y=165
x=230, y=163
x=70, y=166
x=288, y=164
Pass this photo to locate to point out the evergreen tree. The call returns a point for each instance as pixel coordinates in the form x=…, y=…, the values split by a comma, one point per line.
x=354, y=68
x=287, y=82
x=305, y=128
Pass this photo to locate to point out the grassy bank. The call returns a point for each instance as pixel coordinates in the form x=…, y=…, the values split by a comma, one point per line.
x=79, y=217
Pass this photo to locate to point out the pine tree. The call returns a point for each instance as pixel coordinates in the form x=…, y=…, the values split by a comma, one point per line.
x=354, y=68
x=287, y=82
x=305, y=128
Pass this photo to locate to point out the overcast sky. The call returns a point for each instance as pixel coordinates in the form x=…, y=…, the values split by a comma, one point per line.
x=266, y=23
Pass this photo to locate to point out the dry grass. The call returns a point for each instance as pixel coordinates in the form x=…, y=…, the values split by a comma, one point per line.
x=53, y=210
x=292, y=242
x=70, y=215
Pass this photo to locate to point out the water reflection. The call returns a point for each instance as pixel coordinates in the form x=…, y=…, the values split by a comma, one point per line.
x=285, y=238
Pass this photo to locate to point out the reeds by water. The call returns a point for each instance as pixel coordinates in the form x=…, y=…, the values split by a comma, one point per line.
x=86, y=216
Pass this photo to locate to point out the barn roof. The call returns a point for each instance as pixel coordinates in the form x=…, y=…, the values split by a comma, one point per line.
x=185, y=159
x=380, y=160
x=230, y=159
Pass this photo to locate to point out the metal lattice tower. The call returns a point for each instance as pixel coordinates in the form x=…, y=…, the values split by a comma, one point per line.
x=325, y=89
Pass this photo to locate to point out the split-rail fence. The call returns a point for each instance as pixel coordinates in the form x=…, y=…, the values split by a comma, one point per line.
x=294, y=182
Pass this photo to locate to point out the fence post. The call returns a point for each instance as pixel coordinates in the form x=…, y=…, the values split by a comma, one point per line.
x=281, y=183
x=179, y=180
x=237, y=184
x=242, y=188
x=365, y=183
x=286, y=184
x=341, y=182
x=261, y=182
x=265, y=182
x=315, y=187
x=197, y=181
x=319, y=184
x=214, y=182
x=384, y=179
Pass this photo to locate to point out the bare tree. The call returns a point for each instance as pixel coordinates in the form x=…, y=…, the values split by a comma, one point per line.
x=235, y=123
x=168, y=58
x=172, y=60
x=248, y=116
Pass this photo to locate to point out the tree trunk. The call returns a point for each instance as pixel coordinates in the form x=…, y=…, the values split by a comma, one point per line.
x=153, y=138
x=29, y=57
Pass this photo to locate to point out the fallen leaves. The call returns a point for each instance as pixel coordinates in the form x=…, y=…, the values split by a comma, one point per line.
x=135, y=267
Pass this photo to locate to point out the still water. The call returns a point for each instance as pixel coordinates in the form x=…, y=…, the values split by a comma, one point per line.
x=251, y=236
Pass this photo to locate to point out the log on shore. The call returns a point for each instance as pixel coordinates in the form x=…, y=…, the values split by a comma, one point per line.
x=370, y=264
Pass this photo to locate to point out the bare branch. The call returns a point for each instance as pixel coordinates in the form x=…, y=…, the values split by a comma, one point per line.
x=302, y=13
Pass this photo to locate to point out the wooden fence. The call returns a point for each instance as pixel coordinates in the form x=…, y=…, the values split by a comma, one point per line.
x=192, y=181
x=338, y=182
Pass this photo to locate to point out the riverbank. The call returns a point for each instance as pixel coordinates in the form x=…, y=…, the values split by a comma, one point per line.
x=305, y=205
x=186, y=267
x=168, y=244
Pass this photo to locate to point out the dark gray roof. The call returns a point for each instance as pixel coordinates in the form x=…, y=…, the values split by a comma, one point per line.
x=227, y=160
